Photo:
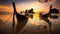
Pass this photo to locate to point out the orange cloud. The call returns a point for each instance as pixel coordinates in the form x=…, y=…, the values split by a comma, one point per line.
x=5, y=8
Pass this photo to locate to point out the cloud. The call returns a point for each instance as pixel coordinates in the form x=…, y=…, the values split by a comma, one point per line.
x=58, y=2
x=4, y=13
x=5, y=2
x=4, y=8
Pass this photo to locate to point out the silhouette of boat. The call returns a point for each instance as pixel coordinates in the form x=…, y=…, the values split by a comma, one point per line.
x=45, y=16
x=21, y=20
x=29, y=13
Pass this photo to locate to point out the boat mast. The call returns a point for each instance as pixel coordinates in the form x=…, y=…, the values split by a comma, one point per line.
x=14, y=8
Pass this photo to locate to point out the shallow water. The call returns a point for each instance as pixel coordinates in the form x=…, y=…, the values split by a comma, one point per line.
x=30, y=28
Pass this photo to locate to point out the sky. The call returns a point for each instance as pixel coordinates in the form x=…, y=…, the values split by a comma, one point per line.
x=6, y=6
x=22, y=5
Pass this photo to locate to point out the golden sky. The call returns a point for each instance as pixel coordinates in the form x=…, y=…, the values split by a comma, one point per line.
x=5, y=8
x=37, y=6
